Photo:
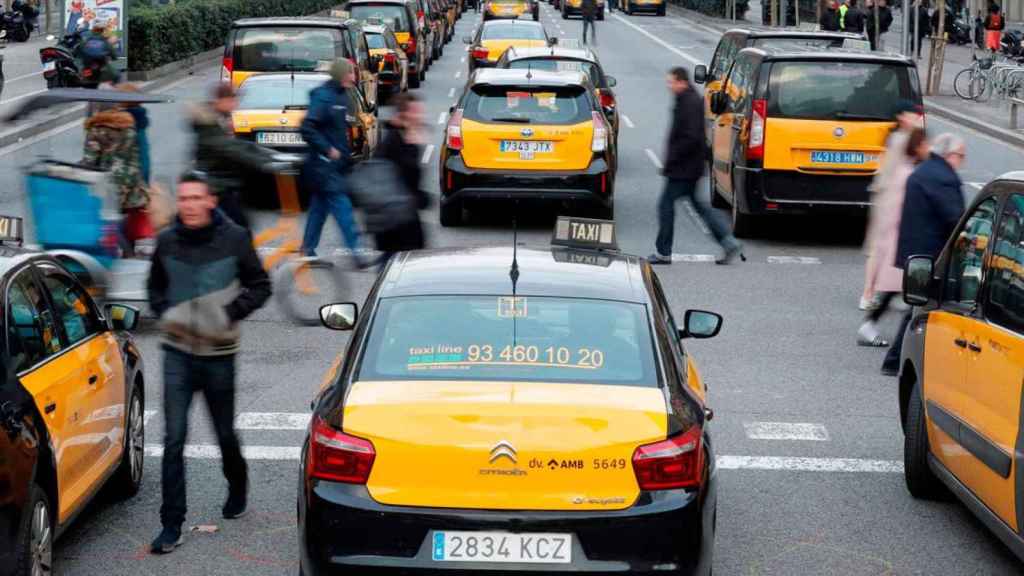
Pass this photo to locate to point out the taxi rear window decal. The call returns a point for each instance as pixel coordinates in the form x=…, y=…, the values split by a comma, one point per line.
x=512, y=307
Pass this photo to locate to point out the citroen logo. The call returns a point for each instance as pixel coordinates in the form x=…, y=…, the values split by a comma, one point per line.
x=284, y=121
x=839, y=132
x=503, y=449
x=526, y=132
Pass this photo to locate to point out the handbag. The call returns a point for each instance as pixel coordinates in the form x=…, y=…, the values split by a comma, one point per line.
x=376, y=188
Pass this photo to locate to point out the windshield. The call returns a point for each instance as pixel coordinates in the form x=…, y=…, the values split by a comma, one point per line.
x=277, y=92
x=556, y=65
x=375, y=41
x=510, y=338
x=271, y=49
x=394, y=16
x=511, y=31
x=799, y=42
x=840, y=90
x=528, y=105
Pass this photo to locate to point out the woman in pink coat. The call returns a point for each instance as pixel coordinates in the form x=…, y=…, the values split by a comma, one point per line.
x=888, y=210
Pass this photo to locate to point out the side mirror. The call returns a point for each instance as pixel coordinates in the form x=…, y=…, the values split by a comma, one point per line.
x=553, y=41
x=719, y=100
x=610, y=81
x=700, y=74
x=121, y=318
x=917, y=280
x=467, y=40
x=339, y=316
x=700, y=324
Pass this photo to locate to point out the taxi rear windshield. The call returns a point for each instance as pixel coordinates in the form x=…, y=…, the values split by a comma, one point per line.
x=840, y=90
x=555, y=65
x=394, y=16
x=811, y=42
x=510, y=338
x=262, y=92
x=511, y=31
x=375, y=41
x=528, y=105
x=286, y=48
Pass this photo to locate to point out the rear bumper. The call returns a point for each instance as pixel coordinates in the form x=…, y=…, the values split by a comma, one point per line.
x=342, y=530
x=646, y=7
x=460, y=183
x=791, y=192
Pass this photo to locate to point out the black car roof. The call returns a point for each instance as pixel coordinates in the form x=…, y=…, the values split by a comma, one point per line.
x=797, y=34
x=553, y=271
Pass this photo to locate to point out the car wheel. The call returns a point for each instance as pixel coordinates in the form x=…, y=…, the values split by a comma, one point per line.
x=35, y=540
x=742, y=224
x=414, y=80
x=565, y=15
x=661, y=10
x=128, y=477
x=451, y=214
x=921, y=481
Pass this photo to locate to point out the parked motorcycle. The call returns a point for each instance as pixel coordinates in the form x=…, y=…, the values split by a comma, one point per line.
x=62, y=68
x=960, y=33
x=1012, y=43
x=19, y=21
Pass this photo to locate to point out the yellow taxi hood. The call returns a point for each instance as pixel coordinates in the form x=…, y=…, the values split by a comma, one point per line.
x=495, y=48
x=245, y=121
x=504, y=445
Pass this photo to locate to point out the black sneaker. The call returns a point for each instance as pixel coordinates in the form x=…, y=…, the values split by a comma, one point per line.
x=657, y=258
x=169, y=539
x=235, y=506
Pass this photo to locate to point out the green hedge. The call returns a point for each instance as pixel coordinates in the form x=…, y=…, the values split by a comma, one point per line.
x=714, y=7
x=159, y=35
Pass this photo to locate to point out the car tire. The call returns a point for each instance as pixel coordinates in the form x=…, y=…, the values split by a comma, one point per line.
x=565, y=15
x=921, y=481
x=451, y=214
x=128, y=478
x=414, y=80
x=661, y=10
x=35, y=535
x=742, y=224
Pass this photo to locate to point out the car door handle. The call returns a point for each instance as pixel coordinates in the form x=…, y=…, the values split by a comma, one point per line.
x=93, y=379
x=961, y=342
x=50, y=407
x=974, y=347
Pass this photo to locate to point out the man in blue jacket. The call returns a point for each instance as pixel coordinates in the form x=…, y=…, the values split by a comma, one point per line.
x=325, y=130
x=932, y=206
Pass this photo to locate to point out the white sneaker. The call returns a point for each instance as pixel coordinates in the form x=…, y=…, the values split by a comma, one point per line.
x=867, y=304
x=867, y=335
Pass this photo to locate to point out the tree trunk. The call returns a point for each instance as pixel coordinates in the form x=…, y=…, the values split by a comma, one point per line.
x=937, y=53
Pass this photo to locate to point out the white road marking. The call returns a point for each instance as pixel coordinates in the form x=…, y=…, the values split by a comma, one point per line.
x=23, y=76
x=441, y=118
x=664, y=44
x=147, y=415
x=785, y=431
x=693, y=258
x=462, y=60
x=426, y=154
x=654, y=158
x=25, y=95
x=793, y=260
x=626, y=119
x=696, y=217
x=451, y=92
x=272, y=421
x=978, y=185
x=458, y=74
x=212, y=452
x=796, y=464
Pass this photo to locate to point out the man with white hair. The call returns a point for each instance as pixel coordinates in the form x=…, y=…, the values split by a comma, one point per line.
x=932, y=207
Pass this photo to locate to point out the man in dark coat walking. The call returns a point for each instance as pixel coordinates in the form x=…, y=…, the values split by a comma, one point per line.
x=685, y=159
x=588, y=10
x=932, y=207
x=830, y=17
x=884, y=22
x=853, y=18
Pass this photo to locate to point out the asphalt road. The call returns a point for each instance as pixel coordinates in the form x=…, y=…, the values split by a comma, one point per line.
x=806, y=428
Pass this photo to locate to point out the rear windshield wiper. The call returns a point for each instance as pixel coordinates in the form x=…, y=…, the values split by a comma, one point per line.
x=512, y=119
x=852, y=116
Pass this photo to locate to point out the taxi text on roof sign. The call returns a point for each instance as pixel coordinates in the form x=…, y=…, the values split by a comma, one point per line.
x=11, y=229
x=584, y=233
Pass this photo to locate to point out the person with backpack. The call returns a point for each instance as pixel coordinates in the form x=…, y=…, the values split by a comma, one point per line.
x=994, y=25
x=96, y=53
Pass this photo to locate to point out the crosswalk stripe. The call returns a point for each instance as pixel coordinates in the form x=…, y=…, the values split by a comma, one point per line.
x=272, y=421
x=785, y=431
x=793, y=260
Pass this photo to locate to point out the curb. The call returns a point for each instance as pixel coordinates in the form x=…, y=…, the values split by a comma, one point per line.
x=1003, y=134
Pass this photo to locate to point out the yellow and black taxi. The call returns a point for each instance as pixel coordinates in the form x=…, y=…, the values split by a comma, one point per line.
x=401, y=17
x=564, y=59
x=801, y=130
x=527, y=135
x=492, y=38
x=555, y=424
x=271, y=108
x=392, y=63
x=570, y=7
x=510, y=9
x=633, y=6
x=71, y=403
x=961, y=381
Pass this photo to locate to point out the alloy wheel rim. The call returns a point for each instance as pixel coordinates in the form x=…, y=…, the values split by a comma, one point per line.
x=136, y=439
x=42, y=541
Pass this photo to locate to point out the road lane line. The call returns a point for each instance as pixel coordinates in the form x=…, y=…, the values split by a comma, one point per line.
x=272, y=421
x=696, y=217
x=693, y=258
x=212, y=452
x=426, y=154
x=654, y=158
x=23, y=76
x=25, y=95
x=462, y=60
x=147, y=415
x=441, y=118
x=451, y=92
x=785, y=431
x=458, y=74
x=664, y=44
x=978, y=185
x=627, y=120
x=793, y=260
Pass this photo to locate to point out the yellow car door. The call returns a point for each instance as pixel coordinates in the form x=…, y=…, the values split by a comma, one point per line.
x=721, y=62
x=946, y=355
x=995, y=372
x=728, y=125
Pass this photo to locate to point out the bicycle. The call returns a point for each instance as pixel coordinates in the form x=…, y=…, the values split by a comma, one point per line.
x=972, y=82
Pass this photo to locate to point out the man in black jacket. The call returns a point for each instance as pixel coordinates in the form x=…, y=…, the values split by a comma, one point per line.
x=205, y=278
x=685, y=158
x=588, y=10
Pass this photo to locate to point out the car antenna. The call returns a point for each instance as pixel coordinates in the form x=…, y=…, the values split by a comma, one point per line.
x=513, y=273
x=529, y=75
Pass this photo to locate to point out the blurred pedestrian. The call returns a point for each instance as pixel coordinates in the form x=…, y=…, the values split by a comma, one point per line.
x=588, y=11
x=853, y=18
x=205, y=278
x=226, y=160
x=111, y=144
x=908, y=116
x=887, y=209
x=920, y=26
x=141, y=117
x=994, y=25
x=685, y=158
x=402, y=145
x=932, y=206
x=884, y=21
x=325, y=129
x=830, y=17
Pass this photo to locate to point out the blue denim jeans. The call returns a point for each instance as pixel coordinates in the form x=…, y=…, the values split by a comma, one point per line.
x=674, y=191
x=331, y=198
x=185, y=374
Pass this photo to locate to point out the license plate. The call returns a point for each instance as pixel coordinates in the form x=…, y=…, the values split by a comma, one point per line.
x=279, y=138
x=833, y=157
x=527, y=146
x=51, y=65
x=502, y=547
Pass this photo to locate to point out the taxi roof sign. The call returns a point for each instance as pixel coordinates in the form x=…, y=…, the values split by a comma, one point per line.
x=342, y=14
x=12, y=229
x=584, y=233
x=856, y=44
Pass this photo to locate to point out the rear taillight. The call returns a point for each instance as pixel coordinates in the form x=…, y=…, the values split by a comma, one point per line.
x=607, y=100
x=453, y=135
x=674, y=463
x=758, y=118
x=49, y=54
x=338, y=457
x=227, y=66
x=390, y=58
x=480, y=53
x=600, y=140
x=410, y=47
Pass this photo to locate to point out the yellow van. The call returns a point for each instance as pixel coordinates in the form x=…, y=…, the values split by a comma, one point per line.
x=802, y=130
